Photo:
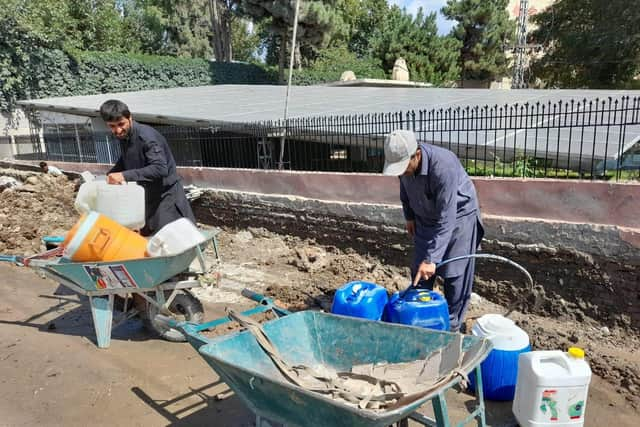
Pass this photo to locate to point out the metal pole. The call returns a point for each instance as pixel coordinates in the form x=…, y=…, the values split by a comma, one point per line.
x=520, y=49
x=286, y=99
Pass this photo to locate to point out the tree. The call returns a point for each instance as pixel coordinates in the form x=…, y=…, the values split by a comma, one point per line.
x=106, y=25
x=588, y=43
x=430, y=57
x=221, y=24
x=99, y=25
x=486, y=32
x=245, y=42
x=145, y=20
x=46, y=20
x=187, y=27
x=317, y=22
x=364, y=19
x=73, y=24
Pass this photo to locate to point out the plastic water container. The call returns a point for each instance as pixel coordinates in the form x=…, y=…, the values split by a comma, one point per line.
x=419, y=307
x=96, y=238
x=552, y=388
x=500, y=368
x=124, y=204
x=360, y=299
x=174, y=238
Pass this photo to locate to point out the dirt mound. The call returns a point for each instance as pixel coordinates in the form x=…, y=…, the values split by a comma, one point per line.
x=41, y=206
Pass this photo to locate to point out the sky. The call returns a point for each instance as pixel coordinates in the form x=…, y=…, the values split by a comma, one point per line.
x=428, y=6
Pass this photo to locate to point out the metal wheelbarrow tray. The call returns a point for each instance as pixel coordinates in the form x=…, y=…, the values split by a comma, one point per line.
x=311, y=338
x=102, y=281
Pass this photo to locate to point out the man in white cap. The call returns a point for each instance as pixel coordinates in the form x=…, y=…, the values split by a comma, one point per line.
x=442, y=215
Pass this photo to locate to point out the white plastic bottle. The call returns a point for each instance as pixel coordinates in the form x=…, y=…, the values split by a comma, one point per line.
x=552, y=388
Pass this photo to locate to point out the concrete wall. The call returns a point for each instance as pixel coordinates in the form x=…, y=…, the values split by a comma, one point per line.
x=544, y=199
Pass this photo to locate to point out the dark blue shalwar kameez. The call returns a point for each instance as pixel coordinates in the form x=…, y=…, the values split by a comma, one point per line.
x=442, y=200
x=147, y=159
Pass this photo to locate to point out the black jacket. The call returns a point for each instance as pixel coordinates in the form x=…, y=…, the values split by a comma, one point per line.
x=147, y=159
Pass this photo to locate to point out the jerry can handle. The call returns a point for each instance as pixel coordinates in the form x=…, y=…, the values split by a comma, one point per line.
x=94, y=242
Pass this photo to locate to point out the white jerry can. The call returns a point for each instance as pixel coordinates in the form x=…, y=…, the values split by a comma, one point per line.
x=125, y=204
x=552, y=388
x=174, y=238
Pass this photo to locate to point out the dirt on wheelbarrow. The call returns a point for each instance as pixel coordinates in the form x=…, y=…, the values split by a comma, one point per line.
x=231, y=326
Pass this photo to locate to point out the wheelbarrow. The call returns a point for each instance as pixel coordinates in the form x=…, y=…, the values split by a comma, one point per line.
x=155, y=280
x=310, y=337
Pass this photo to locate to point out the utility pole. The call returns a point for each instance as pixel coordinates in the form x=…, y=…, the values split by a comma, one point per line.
x=283, y=138
x=520, y=50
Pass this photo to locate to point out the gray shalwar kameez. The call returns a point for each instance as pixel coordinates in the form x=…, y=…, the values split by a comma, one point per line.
x=442, y=200
x=147, y=159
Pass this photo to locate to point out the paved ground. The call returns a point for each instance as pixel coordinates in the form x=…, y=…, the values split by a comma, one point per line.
x=51, y=372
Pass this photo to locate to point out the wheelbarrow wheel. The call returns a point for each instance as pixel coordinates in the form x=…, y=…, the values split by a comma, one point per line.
x=185, y=307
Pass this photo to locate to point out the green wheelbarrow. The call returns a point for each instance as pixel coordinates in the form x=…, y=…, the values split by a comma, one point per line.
x=154, y=283
x=310, y=338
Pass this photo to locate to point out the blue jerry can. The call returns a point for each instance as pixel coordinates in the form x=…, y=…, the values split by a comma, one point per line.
x=419, y=307
x=360, y=299
x=500, y=368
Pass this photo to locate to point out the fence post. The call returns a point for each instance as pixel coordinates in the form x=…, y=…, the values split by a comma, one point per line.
x=14, y=147
x=75, y=128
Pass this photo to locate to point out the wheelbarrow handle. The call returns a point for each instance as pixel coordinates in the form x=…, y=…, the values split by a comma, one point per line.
x=14, y=259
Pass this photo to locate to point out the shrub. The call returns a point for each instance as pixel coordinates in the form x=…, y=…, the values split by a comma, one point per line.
x=330, y=65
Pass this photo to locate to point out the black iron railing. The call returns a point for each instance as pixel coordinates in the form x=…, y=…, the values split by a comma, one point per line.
x=589, y=139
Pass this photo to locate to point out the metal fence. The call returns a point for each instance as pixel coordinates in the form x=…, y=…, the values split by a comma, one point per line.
x=590, y=139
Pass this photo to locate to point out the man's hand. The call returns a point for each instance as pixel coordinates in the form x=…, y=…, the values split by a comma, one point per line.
x=411, y=228
x=425, y=271
x=116, y=178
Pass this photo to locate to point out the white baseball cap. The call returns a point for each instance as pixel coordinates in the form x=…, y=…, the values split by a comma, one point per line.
x=399, y=146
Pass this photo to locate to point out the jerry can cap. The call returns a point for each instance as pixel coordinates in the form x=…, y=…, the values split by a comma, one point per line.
x=424, y=296
x=576, y=352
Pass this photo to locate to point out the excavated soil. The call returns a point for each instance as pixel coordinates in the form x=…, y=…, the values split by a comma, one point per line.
x=577, y=300
x=41, y=206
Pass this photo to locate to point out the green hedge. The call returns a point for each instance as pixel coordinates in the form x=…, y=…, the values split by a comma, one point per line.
x=226, y=73
x=30, y=69
x=102, y=72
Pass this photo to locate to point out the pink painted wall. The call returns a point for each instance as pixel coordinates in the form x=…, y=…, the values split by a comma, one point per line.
x=553, y=200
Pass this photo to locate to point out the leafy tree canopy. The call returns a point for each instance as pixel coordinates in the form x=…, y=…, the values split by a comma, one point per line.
x=430, y=58
x=588, y=43
x=485, y=31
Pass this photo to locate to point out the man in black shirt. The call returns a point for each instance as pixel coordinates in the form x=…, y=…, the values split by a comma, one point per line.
x=146, y=159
